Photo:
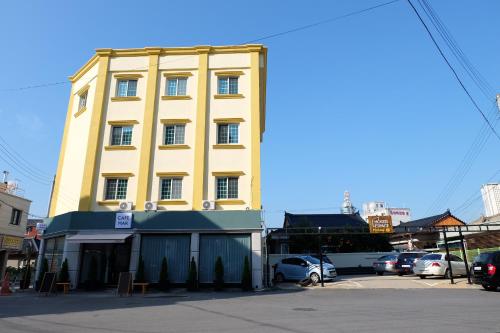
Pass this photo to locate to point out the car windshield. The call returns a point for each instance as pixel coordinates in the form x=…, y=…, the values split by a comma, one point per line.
x=482, y=258
x=387, y=258
x=431, y=257
x=312, y=260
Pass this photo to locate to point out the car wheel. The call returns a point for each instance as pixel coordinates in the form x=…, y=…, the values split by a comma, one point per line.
x=447, y=275
x=422, y=276
x=489, y=288
x=279, y=278
x=380, y=273
x=400, y=273
x=314, y=278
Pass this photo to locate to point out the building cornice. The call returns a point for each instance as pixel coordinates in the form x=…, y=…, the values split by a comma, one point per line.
x=162, y=51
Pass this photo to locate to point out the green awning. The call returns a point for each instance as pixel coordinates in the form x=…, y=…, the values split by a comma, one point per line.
x=163, y=221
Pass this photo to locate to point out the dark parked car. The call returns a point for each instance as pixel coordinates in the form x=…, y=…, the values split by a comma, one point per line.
x=405, y=261
x=486, y=270
x=385, y=264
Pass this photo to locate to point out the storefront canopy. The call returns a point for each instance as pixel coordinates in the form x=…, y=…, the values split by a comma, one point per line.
x=98, y=238
x=161, y=221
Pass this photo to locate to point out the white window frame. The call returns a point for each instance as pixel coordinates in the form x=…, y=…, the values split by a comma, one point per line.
x=175, y=126
x=228, y=136
x=117, y=94
x=115, y=197
x=176, y=79
x=171, y=179
x=82, y=102
x=121, y=135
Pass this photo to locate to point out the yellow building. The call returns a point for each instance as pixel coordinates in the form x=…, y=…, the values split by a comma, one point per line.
x=164, y=125
x=154, y=131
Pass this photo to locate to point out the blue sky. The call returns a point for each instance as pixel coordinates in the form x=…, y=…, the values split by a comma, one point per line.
x=363, y=104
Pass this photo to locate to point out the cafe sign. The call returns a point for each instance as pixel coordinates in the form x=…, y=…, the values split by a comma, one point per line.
x=380, y=224
x=12, y=242
x=123, y=221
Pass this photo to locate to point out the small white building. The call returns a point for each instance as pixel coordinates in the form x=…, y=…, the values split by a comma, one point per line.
x=491, y=198
x=380, y=208
x=13, y=217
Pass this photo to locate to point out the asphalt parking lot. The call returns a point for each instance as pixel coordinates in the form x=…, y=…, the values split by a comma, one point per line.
x=299, y=310
x=389, y=281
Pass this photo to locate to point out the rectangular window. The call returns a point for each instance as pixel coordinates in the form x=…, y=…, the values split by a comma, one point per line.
x=171, y=188
x=121, y=135
x=227, y=188
x=126, y=88
x=176, y=86
x=227, y=133
x=174, y=134
x=83, y=101
x=116, y=189
x=15, y=218
x=227, y=85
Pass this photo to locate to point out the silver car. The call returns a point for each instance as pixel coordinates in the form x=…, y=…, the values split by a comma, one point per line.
x=303, y=267
x=385, y=264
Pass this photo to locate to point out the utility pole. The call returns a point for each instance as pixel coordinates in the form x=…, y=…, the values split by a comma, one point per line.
x=320, y=257
x=450, y=270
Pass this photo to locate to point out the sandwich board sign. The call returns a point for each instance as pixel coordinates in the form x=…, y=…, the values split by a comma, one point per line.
x=123, y=221
x=380, y=224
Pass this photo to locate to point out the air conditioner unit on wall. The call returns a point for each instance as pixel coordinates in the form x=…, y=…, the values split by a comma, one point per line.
x=208, y=205
x=150, y=206
x=125, y=205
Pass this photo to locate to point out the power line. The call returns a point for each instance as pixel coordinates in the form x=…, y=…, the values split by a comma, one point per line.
x=308, y=26
x=304, y=27
x=43, y=85
x=23, y=212
x=454, y=71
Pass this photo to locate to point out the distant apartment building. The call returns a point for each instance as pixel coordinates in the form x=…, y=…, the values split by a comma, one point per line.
x=379, y=208
x=13, y=218
x=161, y=158
x=491, y=198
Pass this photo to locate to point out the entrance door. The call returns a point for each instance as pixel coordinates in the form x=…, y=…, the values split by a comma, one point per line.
x=102, y=263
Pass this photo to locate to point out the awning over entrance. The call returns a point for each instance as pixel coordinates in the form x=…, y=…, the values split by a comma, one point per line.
x=98, y=238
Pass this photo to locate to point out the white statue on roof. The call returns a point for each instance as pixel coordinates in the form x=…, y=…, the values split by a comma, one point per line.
x=347, y=207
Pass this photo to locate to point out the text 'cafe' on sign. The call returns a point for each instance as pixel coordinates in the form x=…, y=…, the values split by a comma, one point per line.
x=123, y=221
x=380, y=224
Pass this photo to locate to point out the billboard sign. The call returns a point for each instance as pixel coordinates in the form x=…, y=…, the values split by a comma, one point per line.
x=380, y=224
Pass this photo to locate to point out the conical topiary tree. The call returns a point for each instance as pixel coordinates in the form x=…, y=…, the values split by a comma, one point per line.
x=192, y=281
x=246, y=279
x=163, y=282
x=64, y=273
x=140, y=276
x=44, y=268
x=219, y=274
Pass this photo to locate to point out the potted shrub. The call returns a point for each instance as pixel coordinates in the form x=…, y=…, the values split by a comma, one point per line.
x=219, y=274
x=43, y=269
x=64, y=272
x=192, y=281
x=246, y=279
x=163, y=282
x=140, y=276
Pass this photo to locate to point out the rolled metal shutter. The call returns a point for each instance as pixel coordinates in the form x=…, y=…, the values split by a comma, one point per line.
x=176, y=248
x=231, y=248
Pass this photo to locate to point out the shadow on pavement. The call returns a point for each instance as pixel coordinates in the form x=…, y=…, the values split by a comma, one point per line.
x=29, y=303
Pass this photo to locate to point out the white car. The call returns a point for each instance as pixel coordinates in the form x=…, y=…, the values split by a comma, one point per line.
x=436, y=264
